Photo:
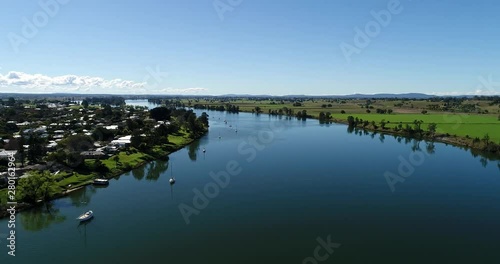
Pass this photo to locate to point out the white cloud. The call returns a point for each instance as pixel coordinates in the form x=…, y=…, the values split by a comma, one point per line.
x=20, y=82
x=195, y=90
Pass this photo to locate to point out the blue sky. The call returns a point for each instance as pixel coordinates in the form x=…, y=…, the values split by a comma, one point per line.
x=258, y=47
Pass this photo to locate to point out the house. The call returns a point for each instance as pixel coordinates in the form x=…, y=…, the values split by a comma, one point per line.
x=52, y=145
x=92, y=154
x=122, y=142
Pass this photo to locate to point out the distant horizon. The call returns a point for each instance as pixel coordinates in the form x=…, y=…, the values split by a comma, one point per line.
x=354, y=95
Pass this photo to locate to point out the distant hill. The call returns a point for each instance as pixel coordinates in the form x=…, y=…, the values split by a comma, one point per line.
x=141, y=96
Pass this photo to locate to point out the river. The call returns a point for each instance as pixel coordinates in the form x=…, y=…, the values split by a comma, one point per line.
x=284, y=191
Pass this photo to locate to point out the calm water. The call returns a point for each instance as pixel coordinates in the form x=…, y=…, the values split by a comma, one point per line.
x=307, y=182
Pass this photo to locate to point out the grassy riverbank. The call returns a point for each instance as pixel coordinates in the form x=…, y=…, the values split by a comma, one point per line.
x=466, y=127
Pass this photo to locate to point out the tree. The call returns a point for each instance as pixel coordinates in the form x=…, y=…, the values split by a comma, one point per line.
x=486, y=140
x=35, y=148
x=204, y=119
x=116, y=159
x=418, y=124
x=11, y=101
x=72, y=147
x=37, y=186
x=342, y=112
x=20, y=149
x=350, y=121
x=432, y=128
x=382, y=124
x=107, y=110
x=160, y=113
x=161, y=131
x=100, y=167
x=136, y=138
x=85, y=104
x=102, y=134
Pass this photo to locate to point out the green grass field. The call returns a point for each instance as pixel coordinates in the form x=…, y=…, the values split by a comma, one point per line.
x=472, y=125
x=453, y=124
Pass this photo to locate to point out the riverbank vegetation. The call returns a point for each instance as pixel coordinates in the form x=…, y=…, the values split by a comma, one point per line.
x=473, y=122
x=67, y=145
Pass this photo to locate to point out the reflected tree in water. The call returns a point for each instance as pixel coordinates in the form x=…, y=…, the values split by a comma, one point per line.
x=416, y=145
x=40, y=217
x=430, y=147
x=138, y=173
x=82, y=197
x=381, y=138
x=155, y=169
x=483, y=161
x=193, y=149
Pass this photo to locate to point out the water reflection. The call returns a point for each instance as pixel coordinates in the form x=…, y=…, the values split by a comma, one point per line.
x=82, y=198
x=483, y=161
x=430, y=148
x=82, y=230
x=41, y=217
x=138, y=173
x=155, y=169
x=416, y=145
x=193, y=150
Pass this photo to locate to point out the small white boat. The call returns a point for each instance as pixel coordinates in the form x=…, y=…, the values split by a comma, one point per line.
x=86, y=216
x=204, y=150
x=172, y=179
x=101, y=182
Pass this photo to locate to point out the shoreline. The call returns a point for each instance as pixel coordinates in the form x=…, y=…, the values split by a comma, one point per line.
x=457, y=141
x=25, y=206
x=454, y=140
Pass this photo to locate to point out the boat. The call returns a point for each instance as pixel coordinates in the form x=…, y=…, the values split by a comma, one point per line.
x=86, y=216
x=172, y=179
x=204, y=150
x=101, y=182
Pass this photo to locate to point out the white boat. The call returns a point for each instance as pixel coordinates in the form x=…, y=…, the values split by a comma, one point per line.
x=101, y=182
x=172, y=179
x=86, y=216
x=204, y=150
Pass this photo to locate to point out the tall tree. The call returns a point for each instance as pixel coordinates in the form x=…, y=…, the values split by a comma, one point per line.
x=85, y=103
x=20, y=148
x=35, y=148
x=160, y=113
